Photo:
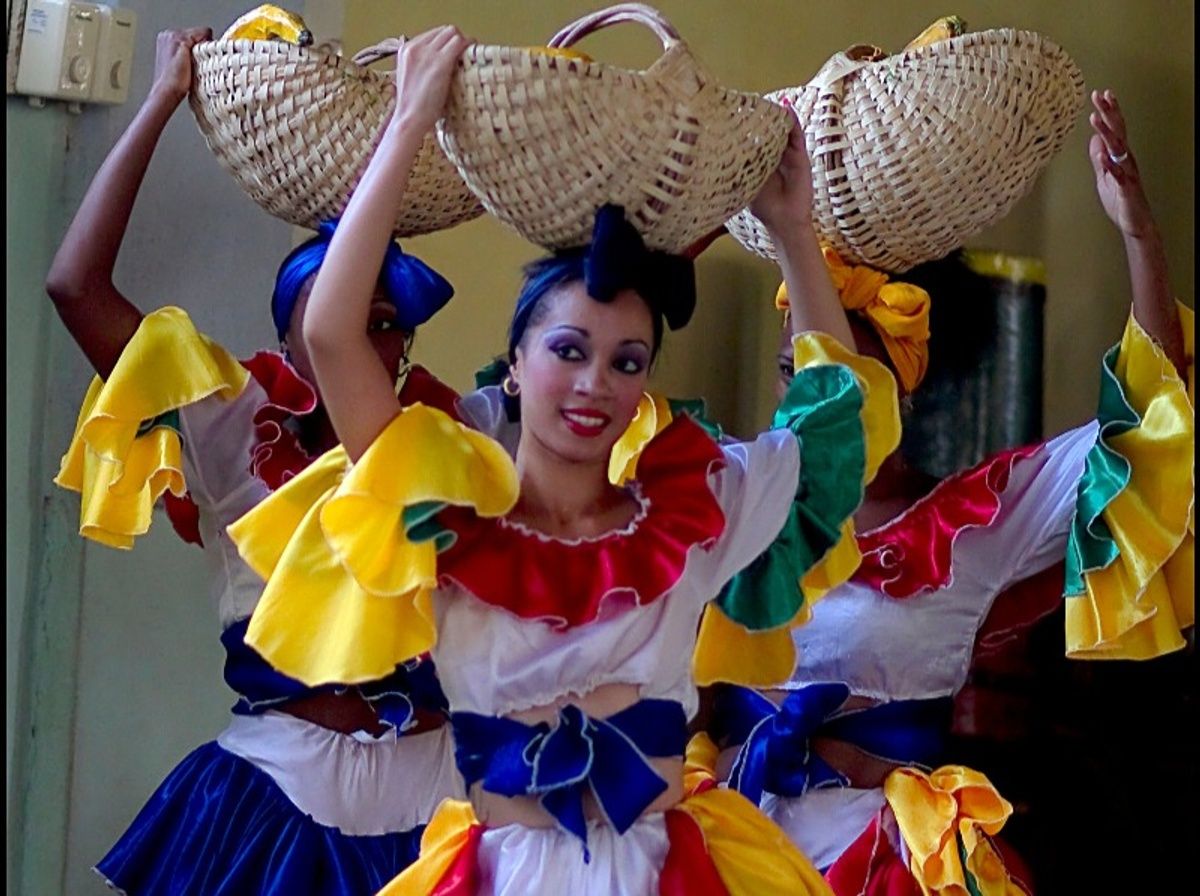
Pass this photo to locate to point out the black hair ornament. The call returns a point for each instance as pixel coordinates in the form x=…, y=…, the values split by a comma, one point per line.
x=618, y=259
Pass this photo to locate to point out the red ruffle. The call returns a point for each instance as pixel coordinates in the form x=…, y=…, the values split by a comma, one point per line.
x=688, y=869
x=276, y=454
x=462, y=877
x=423, y=387
x=871, y=867
x=184, y=516
x=913, y=553
x=1016, y=609
x=571, y=583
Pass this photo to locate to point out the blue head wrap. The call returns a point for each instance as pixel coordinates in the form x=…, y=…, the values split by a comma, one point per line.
x=416, y=289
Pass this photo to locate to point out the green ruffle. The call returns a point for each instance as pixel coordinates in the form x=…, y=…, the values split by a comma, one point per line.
x=822, y=408
x=491, y=374
x=169, y=419
x=1090, y=544
x=421, y=524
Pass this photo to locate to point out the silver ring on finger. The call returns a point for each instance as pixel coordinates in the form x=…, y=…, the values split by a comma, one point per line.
x=1117, y=160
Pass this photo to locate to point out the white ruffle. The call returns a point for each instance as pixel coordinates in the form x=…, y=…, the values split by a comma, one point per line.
x=356, y=783
x=920, y=647
x=517, y=861
x=823, y=823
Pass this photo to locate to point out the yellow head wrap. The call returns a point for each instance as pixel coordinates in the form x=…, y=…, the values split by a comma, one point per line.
x=899, y=312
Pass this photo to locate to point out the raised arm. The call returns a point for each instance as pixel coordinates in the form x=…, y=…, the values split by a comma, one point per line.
x=784, y=205
x=98, y=316
x=1119, y=186
x=356, y=388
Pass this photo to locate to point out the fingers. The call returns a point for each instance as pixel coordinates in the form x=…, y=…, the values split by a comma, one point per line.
x=194, y=36
x=1108, y=122
x=1102, y=161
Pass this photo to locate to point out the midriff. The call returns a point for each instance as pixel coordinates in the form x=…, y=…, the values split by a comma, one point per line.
x=349, y=712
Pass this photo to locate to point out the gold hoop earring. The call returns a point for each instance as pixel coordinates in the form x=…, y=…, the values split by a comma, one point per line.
x=510, y=387
x=402, y=375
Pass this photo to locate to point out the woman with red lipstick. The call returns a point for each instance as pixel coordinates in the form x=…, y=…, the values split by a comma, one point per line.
x=562, y=610
x=838, y=754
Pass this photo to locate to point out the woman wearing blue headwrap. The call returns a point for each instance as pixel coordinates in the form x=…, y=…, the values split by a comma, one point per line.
x=309, y=790
x=562, y=609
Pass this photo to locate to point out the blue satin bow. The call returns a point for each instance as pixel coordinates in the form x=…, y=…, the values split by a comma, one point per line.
x=558, y=764
x=618, y=259
x=776, y=755
x=416, y=289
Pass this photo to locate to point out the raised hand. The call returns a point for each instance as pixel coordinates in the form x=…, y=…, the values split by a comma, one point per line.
x=1118, y=181
x=424, y=66
x=786, y=199
x=173, y=61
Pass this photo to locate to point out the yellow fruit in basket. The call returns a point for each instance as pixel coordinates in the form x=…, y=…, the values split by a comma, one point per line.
x=270, y=22
x=561, y=53
x=943, y=29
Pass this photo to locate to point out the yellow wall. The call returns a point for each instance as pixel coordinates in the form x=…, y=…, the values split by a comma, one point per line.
x=1144, y=51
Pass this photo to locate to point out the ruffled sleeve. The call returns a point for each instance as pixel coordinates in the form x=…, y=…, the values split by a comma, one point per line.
x=1130, y=585
x=126, y=450
x=842, y=410
x=945, y=818
x=654, y=413
x=349, y=553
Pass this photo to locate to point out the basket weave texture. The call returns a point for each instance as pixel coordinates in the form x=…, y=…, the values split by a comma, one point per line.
x=544, y=140
x=296, y=127
x=914, y=153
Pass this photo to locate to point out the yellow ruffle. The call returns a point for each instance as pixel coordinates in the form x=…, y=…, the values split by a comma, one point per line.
x=751, y=853
x=444, y=838
x=725, y=651
x=1137, y=606
x=348, y=595
x=652, y=416
x=119, y=474
x=700, y=762
x=937, y=811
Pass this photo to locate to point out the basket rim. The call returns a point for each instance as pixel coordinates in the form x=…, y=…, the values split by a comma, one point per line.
x=960, y=44
x=315, y=54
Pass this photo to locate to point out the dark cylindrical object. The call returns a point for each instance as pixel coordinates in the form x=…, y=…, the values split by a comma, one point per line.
x=983, y=391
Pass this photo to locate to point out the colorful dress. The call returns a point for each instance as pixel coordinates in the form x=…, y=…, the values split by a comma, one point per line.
x=276, y=803
x=413, y=551
x=1115, y=497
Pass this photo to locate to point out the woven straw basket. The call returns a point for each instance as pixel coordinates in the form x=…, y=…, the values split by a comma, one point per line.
x=914, y=153
x=296, y=127
x=544, y=140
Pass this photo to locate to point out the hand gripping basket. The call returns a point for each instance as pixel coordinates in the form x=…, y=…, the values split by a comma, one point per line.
x=296, y=126
x=914, y=153
x=545, y=140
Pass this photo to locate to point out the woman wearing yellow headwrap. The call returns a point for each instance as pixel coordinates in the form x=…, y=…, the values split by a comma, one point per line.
x=835, y=755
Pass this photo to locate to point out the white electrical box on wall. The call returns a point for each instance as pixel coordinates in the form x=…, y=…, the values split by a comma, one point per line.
x=114, y=56
x=78, y=52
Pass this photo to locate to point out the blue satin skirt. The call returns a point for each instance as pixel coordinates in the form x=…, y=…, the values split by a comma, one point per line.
x=219, y=826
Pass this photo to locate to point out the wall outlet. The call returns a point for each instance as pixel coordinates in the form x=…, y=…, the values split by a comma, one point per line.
x=78, y=52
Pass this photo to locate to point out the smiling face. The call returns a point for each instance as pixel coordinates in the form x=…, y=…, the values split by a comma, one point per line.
x=582, y=368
